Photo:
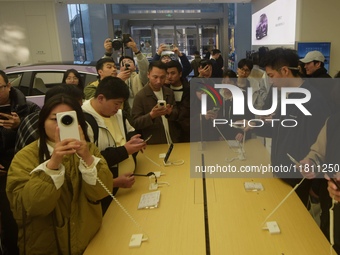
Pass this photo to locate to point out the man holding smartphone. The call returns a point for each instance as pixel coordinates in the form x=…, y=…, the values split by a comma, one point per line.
x=116, y=140
x=151, y=118
x=135, y=81
x=9, y=123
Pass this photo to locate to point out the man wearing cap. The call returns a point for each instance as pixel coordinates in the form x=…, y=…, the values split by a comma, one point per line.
x=314, y=65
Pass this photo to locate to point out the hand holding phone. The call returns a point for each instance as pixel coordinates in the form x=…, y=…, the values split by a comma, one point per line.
x=6, y=109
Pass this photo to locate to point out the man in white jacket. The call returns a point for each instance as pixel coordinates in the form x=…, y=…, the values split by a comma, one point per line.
x=114, y=131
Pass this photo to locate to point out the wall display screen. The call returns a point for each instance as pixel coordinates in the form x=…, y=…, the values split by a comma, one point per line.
x=324, y=47
x=275, y=24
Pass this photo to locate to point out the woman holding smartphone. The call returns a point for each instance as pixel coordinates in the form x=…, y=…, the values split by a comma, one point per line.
x=53, y=189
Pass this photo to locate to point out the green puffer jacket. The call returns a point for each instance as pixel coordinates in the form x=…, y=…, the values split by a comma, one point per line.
x=72, y=213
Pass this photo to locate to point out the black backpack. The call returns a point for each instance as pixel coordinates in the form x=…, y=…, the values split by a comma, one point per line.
x=94, y=125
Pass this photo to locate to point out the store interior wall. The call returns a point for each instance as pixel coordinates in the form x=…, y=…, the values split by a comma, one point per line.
x=315, y=23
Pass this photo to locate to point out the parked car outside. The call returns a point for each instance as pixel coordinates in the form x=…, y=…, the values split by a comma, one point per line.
x=34, y=80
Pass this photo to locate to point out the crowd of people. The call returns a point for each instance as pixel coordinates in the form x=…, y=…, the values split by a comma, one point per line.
x=52, y=201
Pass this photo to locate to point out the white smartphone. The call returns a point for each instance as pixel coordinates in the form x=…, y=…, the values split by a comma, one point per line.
x=68, y=125
x=161, y=103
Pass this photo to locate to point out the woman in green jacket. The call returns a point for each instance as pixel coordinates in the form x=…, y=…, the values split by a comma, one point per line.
x=53, y=189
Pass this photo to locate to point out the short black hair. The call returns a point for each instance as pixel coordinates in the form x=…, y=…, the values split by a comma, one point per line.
x=100, y=63
x=66, y=89
x=158, y=64
x=112, y=88
x=174, y=63
x=204, y=62
x=229, y=73
x=245, y=62
x=280, y=57
x=124, y=57
x=215, y=51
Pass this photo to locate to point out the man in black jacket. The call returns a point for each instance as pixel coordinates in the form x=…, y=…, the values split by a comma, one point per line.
x=13, y=109
x=314, y=64
x=282, y=68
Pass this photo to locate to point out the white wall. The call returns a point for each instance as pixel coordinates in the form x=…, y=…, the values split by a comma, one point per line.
x=316, y=22
x=34, y=32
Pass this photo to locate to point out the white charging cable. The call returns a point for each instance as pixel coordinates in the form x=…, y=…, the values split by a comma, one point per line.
x=283, y=200
x=145, y=237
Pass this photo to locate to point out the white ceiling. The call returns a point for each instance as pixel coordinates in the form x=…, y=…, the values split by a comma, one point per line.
x=133, y=1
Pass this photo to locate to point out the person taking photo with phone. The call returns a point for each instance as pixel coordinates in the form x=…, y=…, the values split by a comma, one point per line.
x=135, y=81
x=52, y=186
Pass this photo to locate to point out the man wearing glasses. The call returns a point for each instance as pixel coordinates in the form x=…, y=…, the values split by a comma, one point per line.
x=13, y=107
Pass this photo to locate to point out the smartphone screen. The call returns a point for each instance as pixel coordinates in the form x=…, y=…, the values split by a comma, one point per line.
x=5, y=109
x=168, y=153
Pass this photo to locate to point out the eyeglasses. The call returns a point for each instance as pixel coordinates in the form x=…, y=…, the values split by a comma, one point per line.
x=72, y=79
x=2, y=87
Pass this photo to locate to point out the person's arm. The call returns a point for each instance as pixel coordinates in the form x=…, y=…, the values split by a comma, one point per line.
x=36, y=192
x=108, y=48
x=185, y=64
x=318, y=149
x=140, y=118
x=95, y=192
x=143, y=65
x=161, y=48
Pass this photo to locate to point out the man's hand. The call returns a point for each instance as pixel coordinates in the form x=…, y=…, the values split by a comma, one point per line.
x=159, y=111
x=161, y=48
x=124, y=181
x=124, y=74
x=210, y=115
x=108, y=45
x=12, y=120
x=333, y=191
x=176, y=51
x=135, y=144
x=132, y=44
x=205, y=72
